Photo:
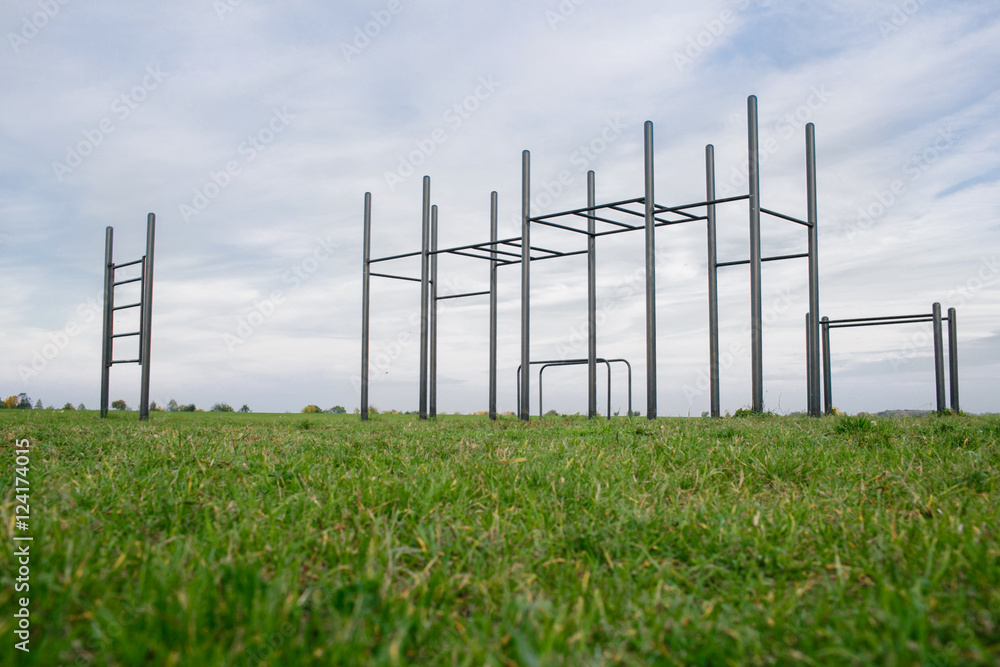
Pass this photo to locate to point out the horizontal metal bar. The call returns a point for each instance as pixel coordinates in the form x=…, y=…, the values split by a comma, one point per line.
x=469, y=254
x=126, y=335
x=558, y=226
x=777, y=258
x=586, y=208
x=591, y=216
x=126, y=282
x=877, y=319
x=126, y=361
x=763, y=259
x=485, y=247
x=678, y=209
x=386, y=275
x=131, y=305
x=551, y=252
x=459, y=296
x=664, y=223
x=405, y=254
x=122, y=266
x=784, y=217
x=565, y=254
x=481, y=245
x=873, y=324
x=639, y=214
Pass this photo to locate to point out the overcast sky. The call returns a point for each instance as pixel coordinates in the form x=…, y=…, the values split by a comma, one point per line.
x=252, y=130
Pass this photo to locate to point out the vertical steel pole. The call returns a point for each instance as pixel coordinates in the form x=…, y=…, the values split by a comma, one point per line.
x=650, y=273
x=953, y=359
x=366, y=304
x=812, y=362
x=147, y=316
x=713, y=283
x=524, y=407
x=809, y=368
x=591, y=300
x=432, y=401
x=827, y=380
x=938, y=358
x=109, y=303
x=756, y=321
x=424, y=293
x=494, y=218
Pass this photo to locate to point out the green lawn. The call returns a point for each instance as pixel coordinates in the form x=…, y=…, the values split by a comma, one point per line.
x=228, y=539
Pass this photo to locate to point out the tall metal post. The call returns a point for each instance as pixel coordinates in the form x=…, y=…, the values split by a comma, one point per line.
x=524, y=408
x=809, y=368
x=650, y=274
x=713, y=283
x=827, y=380
x=494, y=218
x=425, y=294
x=109, y=303
x=938, y=358
x=432, y=401
x=591, y=300
x=146, y=325
x=756, y=321
x=812, y=361
x=366, y=304
x=953, y=359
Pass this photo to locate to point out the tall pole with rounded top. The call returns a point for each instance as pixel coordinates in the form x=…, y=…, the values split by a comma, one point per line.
x=650, y=273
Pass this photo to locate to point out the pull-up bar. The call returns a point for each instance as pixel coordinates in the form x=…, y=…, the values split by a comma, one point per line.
x=935, y=318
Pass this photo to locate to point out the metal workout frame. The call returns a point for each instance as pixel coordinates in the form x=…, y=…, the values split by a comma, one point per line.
x=935, y=317
x=653, y=216
x=145, y=306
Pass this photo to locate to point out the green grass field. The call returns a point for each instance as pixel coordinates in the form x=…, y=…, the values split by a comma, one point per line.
x=228, y=539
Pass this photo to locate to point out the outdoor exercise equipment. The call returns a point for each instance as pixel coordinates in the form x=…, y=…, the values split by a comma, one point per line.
x=145, y=306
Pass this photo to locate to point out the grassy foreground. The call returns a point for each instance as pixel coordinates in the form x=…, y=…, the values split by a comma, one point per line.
x=217, y=539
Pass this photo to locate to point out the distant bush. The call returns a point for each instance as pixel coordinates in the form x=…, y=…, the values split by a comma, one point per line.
x=312, y=409
x=338, y=410
x=222, y=407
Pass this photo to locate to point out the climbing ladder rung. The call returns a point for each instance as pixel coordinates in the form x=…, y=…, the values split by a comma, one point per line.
x=124, y=335
x=131, y=305
x=126, y=282
x=122, y=266
x=126, y=361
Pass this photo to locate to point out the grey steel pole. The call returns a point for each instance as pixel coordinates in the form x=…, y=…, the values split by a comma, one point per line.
x=809, y=369
x=650, y=273
x=147, y=316
x=713, y=283
x=812, y=361
x=432, y=401
x=366, y=304
x=827, y=380
x=109, y=302
x=756, y=321
x=525, y=402
x=493, y=304
x=953, y=359
x=424, y=294
x=938, y=358
x=591, y=300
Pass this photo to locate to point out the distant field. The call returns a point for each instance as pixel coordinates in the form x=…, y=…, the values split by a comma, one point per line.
x=229, y=539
